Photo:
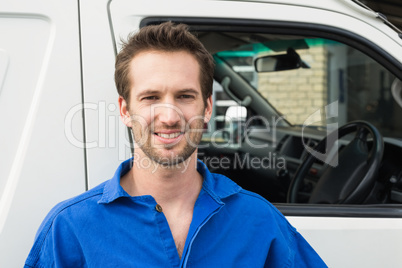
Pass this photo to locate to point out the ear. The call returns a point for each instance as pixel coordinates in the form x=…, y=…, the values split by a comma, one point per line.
x=124, y=112
x=208, y=110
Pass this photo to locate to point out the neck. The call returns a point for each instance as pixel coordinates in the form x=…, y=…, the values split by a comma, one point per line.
x=172, y=186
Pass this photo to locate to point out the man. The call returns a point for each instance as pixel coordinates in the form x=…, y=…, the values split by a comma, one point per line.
x=164, y=208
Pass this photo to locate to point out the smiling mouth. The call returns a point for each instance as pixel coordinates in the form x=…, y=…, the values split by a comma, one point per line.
x=170, y=135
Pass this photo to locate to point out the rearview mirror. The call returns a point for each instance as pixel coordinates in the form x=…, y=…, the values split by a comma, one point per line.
x=289, y=61
x=235, y=119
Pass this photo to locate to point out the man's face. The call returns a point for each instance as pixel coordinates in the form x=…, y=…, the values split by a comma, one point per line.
x=166, y=106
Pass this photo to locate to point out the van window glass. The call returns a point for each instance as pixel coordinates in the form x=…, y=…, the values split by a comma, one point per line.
x=333, y=72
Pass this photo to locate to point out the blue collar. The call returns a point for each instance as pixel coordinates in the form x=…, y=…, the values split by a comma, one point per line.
x=216, y=185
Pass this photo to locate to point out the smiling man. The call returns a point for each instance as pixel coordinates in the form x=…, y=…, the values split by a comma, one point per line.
x=166, y=111
x=178, y=214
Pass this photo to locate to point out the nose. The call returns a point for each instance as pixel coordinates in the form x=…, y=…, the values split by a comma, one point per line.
x=168, y=114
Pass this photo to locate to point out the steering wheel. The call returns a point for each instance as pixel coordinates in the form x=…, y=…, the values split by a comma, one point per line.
x=350, y=180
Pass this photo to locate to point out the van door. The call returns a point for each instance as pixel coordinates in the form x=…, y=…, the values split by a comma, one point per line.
x=341, y=241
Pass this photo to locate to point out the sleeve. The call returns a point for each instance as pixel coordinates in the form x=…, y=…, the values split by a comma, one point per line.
x=288, y=248
x=56, y=245
x=303, y=255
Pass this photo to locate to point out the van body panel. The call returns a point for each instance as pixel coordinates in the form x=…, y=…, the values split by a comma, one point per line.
x=40, y=84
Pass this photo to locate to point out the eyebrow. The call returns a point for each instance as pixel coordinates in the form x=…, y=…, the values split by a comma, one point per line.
x=157, y=92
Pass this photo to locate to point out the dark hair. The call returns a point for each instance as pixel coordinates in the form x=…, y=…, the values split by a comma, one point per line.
x=167, y=37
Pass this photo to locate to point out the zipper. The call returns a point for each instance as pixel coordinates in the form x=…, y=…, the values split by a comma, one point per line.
x=184, y=262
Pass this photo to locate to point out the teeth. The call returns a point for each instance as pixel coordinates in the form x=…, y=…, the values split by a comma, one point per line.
x=169, y=136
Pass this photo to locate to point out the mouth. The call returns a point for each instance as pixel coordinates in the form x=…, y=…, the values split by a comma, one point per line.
x=169, y=135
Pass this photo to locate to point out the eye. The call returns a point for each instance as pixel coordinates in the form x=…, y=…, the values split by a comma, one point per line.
x=150, y=98
x=186, y=96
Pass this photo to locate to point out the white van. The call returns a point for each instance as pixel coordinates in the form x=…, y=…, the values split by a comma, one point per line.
x=60, y=131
